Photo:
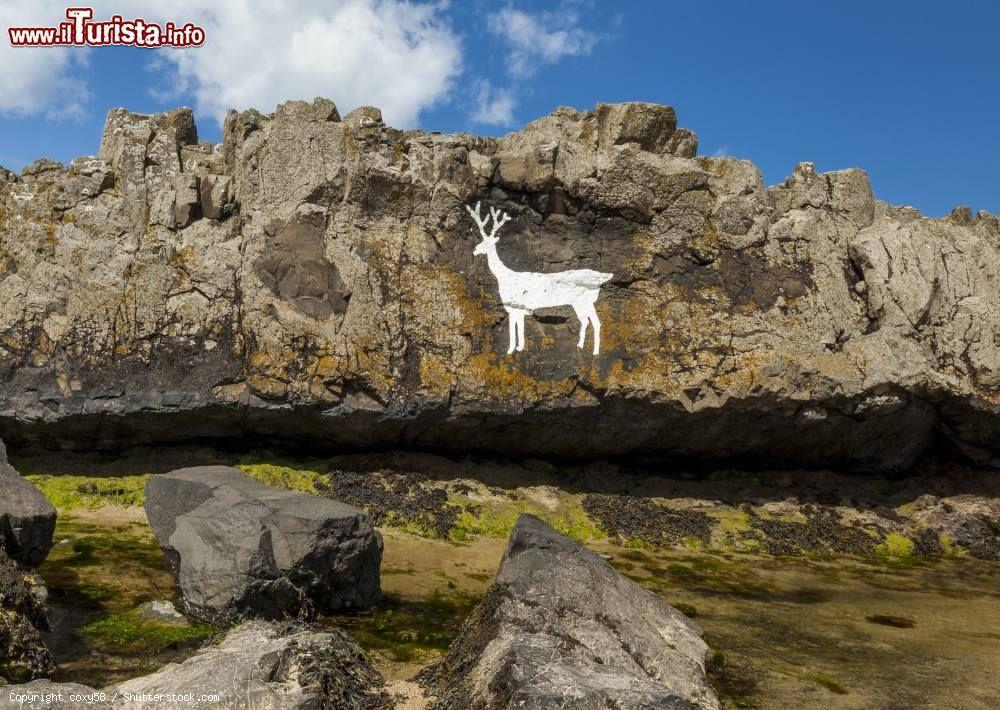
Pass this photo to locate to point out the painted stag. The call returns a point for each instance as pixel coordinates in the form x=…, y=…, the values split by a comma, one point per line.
x=522, y=292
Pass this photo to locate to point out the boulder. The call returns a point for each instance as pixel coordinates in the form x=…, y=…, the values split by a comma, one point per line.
x=239, y=548
x=561, y=628
x=27, y=519
x=260, y=665
x=23, y=654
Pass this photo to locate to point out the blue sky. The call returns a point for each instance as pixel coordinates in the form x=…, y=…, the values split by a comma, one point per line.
x=909, y=91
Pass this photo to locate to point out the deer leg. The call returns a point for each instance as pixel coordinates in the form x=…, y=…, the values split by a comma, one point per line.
x=520, y=323
x=512, y=330
x=581, y=315
x=596, y=323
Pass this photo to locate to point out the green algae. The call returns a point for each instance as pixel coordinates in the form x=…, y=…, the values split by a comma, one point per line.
x=69, y=493
x=405, y=629
x=128, y=632
x=286, y=477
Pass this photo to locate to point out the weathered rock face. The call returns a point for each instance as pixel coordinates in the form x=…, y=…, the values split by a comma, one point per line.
x=312, y=279
x=27, y=519
x=256, y=665
x=239, y=548
x=561, y=628
x=23, y=654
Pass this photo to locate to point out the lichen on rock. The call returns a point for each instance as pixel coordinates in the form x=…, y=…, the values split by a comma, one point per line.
x=312, y=279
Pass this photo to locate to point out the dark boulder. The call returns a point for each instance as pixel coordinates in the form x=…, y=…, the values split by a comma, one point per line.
x=561, y=628
x=239, y=548
x=27, y=519
x=23, y=655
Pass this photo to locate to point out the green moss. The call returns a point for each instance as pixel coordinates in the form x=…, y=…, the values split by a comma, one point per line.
x=118, y=550
x=571, y=521
x=68, y=493
x=493, y=521
x=96, y=592
x=679, y=570
x=292, y=479
x=828, y=682
x=950, y=548
x=406, y=629
x=732, y=521
x=896, y=551
x=409, y=526
x=686, y=609
x=130, y=632
x=497, y=520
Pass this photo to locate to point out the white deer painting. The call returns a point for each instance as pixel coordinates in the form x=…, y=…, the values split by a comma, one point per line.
x=522, y=292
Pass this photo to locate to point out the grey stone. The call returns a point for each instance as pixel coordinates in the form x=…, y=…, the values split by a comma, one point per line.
x=239, y=548
x=162, y=611
x=187, y=202
x=215, y=198
x=561, y=628
x=257, y=665
x=27, y=519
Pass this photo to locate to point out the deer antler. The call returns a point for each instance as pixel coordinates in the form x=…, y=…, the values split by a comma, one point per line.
x=499, y=220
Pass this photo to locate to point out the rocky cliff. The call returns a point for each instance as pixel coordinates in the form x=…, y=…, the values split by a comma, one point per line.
x=312, y=279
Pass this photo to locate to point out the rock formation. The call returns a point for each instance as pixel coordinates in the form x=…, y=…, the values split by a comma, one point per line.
x=256, y=665
x=561, y=628
x=239, y=548
x=312, y=279
x=27, y=519
x=23, y=654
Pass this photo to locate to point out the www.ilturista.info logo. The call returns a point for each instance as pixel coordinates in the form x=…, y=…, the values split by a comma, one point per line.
x=80, y=31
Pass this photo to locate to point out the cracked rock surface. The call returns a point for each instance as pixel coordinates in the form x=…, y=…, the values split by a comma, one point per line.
x=27, y=519
x=261, y=665
x=561, y=628
x=239, y=548
x=311, y=278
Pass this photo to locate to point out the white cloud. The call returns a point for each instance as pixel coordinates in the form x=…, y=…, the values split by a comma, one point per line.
x=541, y=38
x=400, y=56
x=493, y=106
x=722, y=152
x=39, y=80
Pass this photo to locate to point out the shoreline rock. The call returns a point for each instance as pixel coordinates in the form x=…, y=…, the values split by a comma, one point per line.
x=266, y=666
x=239, y=548
x=23, y=653
x=561, y=628
x=27, y=519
